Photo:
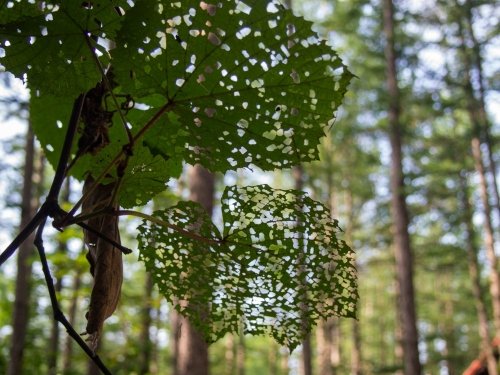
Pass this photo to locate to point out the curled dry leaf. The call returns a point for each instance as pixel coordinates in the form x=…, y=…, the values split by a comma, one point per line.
x=106, y=265
x=105, y=260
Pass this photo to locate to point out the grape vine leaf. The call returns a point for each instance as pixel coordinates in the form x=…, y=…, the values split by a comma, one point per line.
x=246, y=83
x=250, y=82
x=277, y=267
x=48, y=44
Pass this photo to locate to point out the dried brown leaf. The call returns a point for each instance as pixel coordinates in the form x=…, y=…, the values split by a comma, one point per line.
x=105, y=260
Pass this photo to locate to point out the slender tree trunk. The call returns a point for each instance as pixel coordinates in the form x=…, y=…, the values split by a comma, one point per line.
x=324, y=335
x=404, y=261
x=240, y=353
x=20, y=314
x=306, y=344
x=356, y=357
x=284, y=366
x=68, y=347
x=481, y=106
x=446, y=324
x=145, y=337
x=272, y=359
x=474, y=111
x=192, y=356
x=229, y=355
x=155, y=362
x=474, y=273
x=298, y=176
x=356, y=361
x=488, y=234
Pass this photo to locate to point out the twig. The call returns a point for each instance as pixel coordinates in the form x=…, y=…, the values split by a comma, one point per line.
x=51, y=208
x=80, y=221
x=58, y=314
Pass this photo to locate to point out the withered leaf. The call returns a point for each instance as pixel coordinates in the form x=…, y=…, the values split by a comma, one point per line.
x=105, y=259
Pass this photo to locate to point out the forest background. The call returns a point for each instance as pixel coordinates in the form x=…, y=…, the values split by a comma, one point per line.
x=448, y=74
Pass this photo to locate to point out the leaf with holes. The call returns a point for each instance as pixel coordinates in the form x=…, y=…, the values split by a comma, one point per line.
x=277, y=267
x=48, y=43
x=250, y=82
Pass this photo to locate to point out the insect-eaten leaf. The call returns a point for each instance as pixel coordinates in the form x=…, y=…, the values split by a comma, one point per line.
x=277, y=267
x=251, y=83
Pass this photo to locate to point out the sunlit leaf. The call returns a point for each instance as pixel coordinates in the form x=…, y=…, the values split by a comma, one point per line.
x=277, y=268
x=250, y=82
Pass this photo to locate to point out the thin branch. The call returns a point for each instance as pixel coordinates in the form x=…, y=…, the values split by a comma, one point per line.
x=23, y=235
x=51, y=201
x=58, y=314
x=66, y=149
x=80, y=221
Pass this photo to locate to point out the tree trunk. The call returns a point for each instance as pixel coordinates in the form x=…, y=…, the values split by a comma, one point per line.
x=229, y=354
x=324, y=335
x=298, y=176
x=20, y=314
x=402, y=247
x=474, y=273
x=447, y=324
x=475, y=117
x=356, y=357
x=145, y=338
x=356, y=361
x=284, y=366
x=192, y=356
x=481, y=106
x=240, y=353
x=272, y=359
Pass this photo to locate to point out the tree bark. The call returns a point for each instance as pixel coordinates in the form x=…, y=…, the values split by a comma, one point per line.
x=475, y=117
x=306, y=367
x=20, y=315
x=284, y=366
x=477, y=63
x=474, y=273
x=356, y=357
x=324, y=335
x=240, y=353
x=473, y=110
x=229, y=355
x=402, y=247
x=192, y=355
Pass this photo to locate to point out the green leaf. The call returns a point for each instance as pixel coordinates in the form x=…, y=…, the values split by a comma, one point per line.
x=48, y=43
x=278, y=267
x=145, y=176
x=146, y=173
x=250, y=82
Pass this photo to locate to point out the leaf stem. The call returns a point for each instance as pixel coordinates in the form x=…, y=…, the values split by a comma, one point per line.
x=110, y=89
x=165, y=224
x=166, y=108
